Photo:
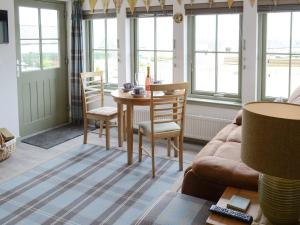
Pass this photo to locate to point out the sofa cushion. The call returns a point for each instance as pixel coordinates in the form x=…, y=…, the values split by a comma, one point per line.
x=238, y=118
x=295, y=97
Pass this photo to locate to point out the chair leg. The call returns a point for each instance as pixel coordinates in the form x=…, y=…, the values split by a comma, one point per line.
x=124, y=126
x=85, y=131
x=153, y=157
x=181, y=154
x=140, y=145
x=169, y=147
x=100, y=129
x=107, y=129
x=176, y=143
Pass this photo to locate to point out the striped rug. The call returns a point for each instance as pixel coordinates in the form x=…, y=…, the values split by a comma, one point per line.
x=87, y=185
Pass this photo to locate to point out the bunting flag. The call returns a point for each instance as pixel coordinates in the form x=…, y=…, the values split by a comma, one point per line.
x=162, y=4
x=253, y=2
x=105, y=4
x=118, y=4
x=93, y=5
x=211, y=2
x=230, y=3
x=179, y=2
x=132, y=4
x=275, y=2
x=147, y=4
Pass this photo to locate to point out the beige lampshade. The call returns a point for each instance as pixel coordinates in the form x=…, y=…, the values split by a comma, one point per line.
x=271, y=139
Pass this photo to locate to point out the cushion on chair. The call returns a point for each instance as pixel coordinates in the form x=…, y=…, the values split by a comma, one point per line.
x=105, y=111
x=160, y=127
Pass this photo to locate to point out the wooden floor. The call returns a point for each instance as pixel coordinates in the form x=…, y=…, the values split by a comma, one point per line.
x=28, y=156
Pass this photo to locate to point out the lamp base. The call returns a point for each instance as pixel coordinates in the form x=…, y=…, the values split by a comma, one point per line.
x=280, y=199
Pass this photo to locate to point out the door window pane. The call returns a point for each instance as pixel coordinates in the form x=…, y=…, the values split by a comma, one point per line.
x=99, y=34
x=112, y=33
x=50, y=49
x=29, y=23
x=205, y=72
x=99, y=61
x=165, y=66
x=296, y=33
x=145, y=58
x=146, y=33
x=277, y=76
x=228, y=73
x=164, y=31
x=228, y=33
x=49, y=24
x=30, y=55
x=205, y=32
x=112, y=61
x=278, y=32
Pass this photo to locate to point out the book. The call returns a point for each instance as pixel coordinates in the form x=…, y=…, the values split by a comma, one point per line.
x=238, y=203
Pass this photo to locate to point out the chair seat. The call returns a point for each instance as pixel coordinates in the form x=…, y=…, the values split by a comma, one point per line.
x=104, y=111
x=160, y=127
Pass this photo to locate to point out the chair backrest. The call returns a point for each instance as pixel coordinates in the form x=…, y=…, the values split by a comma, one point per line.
x=92, y=90
x=168, y=104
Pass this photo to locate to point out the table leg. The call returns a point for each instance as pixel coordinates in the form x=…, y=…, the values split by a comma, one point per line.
x=120, y=124
x=130, y=133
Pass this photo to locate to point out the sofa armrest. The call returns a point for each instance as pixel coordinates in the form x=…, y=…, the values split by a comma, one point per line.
x=225, y=172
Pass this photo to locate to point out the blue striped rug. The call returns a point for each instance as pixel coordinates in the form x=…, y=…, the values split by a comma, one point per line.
x=88, y=185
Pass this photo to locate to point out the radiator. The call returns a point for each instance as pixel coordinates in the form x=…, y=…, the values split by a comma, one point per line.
x=197, y=127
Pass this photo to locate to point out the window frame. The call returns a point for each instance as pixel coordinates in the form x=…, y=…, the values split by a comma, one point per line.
x=262, y=42
x=90, y=50
x=134, y=46
x=191, y=64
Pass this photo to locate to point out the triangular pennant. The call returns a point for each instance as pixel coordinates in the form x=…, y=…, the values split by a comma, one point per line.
x=132, y=4
x=179, y=2
x=230, y=3
x=211, y=2
x=254, y=1
x=118, y=4
x=162, y=4
x=275, y=2
x=93, y=5
x=105, y=4
x=147, y=4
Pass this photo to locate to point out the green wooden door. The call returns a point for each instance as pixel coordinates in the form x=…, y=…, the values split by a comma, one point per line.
x=41, y=65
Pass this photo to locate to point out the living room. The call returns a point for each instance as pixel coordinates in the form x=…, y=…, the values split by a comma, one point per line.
x=149, y=112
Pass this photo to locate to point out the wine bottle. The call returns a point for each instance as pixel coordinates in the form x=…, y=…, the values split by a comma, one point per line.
x=148, y=79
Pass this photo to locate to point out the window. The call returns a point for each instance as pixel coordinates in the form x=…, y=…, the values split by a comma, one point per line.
x=104, y=49
x=154, y=47
x=280, y=67
x=215, y=55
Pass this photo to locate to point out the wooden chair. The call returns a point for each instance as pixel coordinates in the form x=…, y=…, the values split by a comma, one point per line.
x=167, y=118
x=93, y=104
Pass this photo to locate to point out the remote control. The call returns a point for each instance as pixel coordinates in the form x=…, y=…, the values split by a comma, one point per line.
x=231, y=213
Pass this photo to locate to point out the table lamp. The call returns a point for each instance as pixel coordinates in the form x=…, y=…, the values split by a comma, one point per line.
x=271, y=145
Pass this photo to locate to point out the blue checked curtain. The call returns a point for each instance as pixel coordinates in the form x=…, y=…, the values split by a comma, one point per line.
x=77, y=62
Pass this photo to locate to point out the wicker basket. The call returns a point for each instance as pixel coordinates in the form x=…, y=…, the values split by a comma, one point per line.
x=7, y=149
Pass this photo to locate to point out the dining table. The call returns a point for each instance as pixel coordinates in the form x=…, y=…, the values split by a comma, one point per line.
x=126, y=98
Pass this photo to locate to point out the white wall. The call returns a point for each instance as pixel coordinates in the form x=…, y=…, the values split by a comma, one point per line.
x=8, y=79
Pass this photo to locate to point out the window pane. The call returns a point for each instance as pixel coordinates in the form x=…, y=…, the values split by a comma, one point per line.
x=164, y=31
x=295, y=78
x=112, y=61
x=30, y=55
x=205, y=72
x=99, y=34
x=296, y=33
x=228, y=73
x=278, y=32
x=228, y=33
x=112, y=38
x=29, y=23
x=145, y=59
x=165, y=67
x=49, y=23
x=205, y=33
x=50, y=49
x=277, y=75
x=99, y=62
x=146, y=33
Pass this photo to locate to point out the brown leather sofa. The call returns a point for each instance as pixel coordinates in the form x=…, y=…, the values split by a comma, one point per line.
x=219, y=164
